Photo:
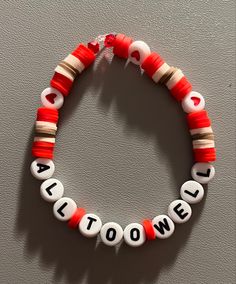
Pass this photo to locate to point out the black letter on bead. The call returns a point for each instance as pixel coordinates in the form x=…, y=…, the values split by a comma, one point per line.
x=42, y=168
x=91, y=220
x=162, y=225
x=132, y=234
x=195, y=194
x=207, y=174
x=50, y=187
x=59, y=210
x=111, y=234
x=180, y=212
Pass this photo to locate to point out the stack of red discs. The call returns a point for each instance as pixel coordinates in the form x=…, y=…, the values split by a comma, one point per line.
x=152, y=63
x=46, y=126
x=121, y=45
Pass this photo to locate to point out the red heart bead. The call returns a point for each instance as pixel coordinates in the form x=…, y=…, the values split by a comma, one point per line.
x=136, y=55
x=51, y=97
x=195, y=100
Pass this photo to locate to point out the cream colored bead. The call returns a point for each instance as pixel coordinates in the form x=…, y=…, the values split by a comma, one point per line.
x=160, y=72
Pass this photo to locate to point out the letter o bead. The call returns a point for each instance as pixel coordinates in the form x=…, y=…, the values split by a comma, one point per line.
x=163, y=226
x=134, y=235
x=111, y=233
x=90, y=225
x=64, y=208
x=179, y=211
x=42, y=168
x=192, y=192
x=51, y=190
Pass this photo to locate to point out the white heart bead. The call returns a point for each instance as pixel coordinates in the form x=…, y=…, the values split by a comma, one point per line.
x=42, y=168
x=138, y=51
x=163, y=226
x=193, y=102
x=192, y=192
x=90, y=225
x=51, y=190
x=179, y=211
x=52, y=98
x=111, y=233
x=203, y=172
x=64, y=208
x=134, y=235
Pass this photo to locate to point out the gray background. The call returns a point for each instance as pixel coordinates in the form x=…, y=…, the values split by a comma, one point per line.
x=123, y=150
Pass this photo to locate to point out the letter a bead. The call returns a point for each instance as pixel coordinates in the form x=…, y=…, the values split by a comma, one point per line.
x=90, y=225
x=42, y=168
x=111, y=233
x=134, y=235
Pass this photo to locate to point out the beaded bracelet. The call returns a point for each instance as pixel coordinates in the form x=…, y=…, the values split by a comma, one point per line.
x=193, y=103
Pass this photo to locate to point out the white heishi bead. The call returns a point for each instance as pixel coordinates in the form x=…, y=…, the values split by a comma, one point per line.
x=111, y=233
x=42, y=168
x=156, y=77
x=138, y=51
x=52, y=98
x=193, y=102
x=192, y=192
x=134, y=235
x=51, y=190
x=163, y=226
x=203, y=172
x=64, y=208
x=179, y=211
x=90, y=225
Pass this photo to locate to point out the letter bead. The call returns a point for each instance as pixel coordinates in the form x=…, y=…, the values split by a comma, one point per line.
x=90, y=225
x=163, y=226
x=179, y=211
x=138, y=51
x=192, y=192
x=111, y=233
x=51, y=190
x=52, y=98
x=134, y=235
x=64, y=208
x=193, y=102
x=203, y=172
x=42, y=168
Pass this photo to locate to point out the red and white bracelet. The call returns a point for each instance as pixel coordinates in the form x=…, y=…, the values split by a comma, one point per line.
x=193, y=103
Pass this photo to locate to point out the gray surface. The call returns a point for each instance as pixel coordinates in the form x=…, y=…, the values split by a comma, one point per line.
x=123, y=150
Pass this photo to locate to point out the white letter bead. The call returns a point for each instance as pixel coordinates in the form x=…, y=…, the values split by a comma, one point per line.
x=203, y=172
x=179, y=211
x=52, y=98
x=111, y=233
x=90, y=225
x=51, y=190
x=138, y=51
x=42, y=168
x=193, y=102
x=163, y=226
x=192, y=192
x=64, y=208
x=134, y=235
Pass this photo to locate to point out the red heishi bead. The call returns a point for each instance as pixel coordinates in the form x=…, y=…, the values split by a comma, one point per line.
x=75, y=219
x=152, y=63
x=94, y=46
x=181, y=89
x=47, y=114
x=121, y=45
x=43, y=149
x=84, y=54
x=205, y=155
x=198, y=119
x=149, y=230
x=61, y=83
x=109, y=40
